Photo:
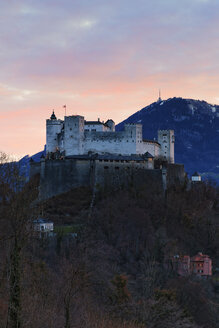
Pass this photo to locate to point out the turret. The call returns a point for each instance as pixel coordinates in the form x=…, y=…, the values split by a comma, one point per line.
x=53, y=128
x=111, y=124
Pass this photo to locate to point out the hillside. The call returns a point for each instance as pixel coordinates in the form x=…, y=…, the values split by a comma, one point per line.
x=196, y=126
x=111, y=266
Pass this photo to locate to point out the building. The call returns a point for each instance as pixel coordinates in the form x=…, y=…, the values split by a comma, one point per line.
x=75, y=136
x=199, y=265
x=182, y=264
x=43, y=225
x=196, y=177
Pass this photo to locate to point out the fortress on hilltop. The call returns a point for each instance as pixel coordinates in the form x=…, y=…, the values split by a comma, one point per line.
x=91, y=153
x=75, y=136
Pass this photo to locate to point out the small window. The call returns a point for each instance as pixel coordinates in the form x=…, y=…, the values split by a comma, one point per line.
x=106, y=167
x=116, y=168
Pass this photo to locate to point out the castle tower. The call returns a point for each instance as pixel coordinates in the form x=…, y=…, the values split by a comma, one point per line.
x=166, y=139
x=53, y=128
x=111, y=124
x=133, y=133
x=74, y=135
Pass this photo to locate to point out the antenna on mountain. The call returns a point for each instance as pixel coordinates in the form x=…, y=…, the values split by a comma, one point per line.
x=159, y=99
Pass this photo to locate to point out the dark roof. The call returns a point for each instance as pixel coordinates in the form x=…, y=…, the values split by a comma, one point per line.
x=53, y=117
x=151, y=141
x=95, y=123
x=148, y=155
x=109, y=121
x=137, y=158
x=196, y=174
x=41, y=220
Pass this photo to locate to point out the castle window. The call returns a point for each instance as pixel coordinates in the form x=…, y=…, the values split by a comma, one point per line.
x=116, y=168
x=100, y=160
x=164, y=135
x=111, y=160
x=93, y=130
x=70, y=128
x=106, y=167
x=105, y=160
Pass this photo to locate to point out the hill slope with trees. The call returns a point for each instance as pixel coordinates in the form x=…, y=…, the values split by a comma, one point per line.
x=114, y=272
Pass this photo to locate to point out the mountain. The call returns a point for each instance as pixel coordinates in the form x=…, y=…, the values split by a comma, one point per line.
x=24, y=163
x=196, y=126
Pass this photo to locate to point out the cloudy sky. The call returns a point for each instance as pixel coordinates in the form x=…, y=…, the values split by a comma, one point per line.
x=102, y=58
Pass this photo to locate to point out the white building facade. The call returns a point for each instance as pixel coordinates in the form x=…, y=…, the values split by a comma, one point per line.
x=76, y=136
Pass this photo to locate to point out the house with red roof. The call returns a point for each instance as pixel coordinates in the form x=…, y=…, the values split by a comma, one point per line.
x=199, y=265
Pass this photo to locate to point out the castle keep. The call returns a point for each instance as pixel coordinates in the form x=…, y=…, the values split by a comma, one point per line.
x=91, y=153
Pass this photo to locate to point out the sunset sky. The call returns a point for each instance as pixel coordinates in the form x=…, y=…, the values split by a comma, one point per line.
x=102, y=58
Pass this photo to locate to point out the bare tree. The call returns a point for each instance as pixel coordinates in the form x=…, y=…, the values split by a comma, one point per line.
x=15, y=208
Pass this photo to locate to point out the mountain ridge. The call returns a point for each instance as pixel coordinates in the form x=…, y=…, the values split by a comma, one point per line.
x=196, y=126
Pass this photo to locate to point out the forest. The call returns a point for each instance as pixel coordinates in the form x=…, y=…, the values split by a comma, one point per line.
x=115, y=271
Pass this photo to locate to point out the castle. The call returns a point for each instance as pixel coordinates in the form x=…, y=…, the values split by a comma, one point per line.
x=91, y=153
x=75, y=136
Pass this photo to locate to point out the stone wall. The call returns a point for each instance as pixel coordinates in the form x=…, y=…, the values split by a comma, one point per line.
x=175, y=174
x=59, y=176
x=35, y=168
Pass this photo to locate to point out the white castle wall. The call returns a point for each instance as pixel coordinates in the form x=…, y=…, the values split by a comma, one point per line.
x=96, y=127
x=152, y=147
